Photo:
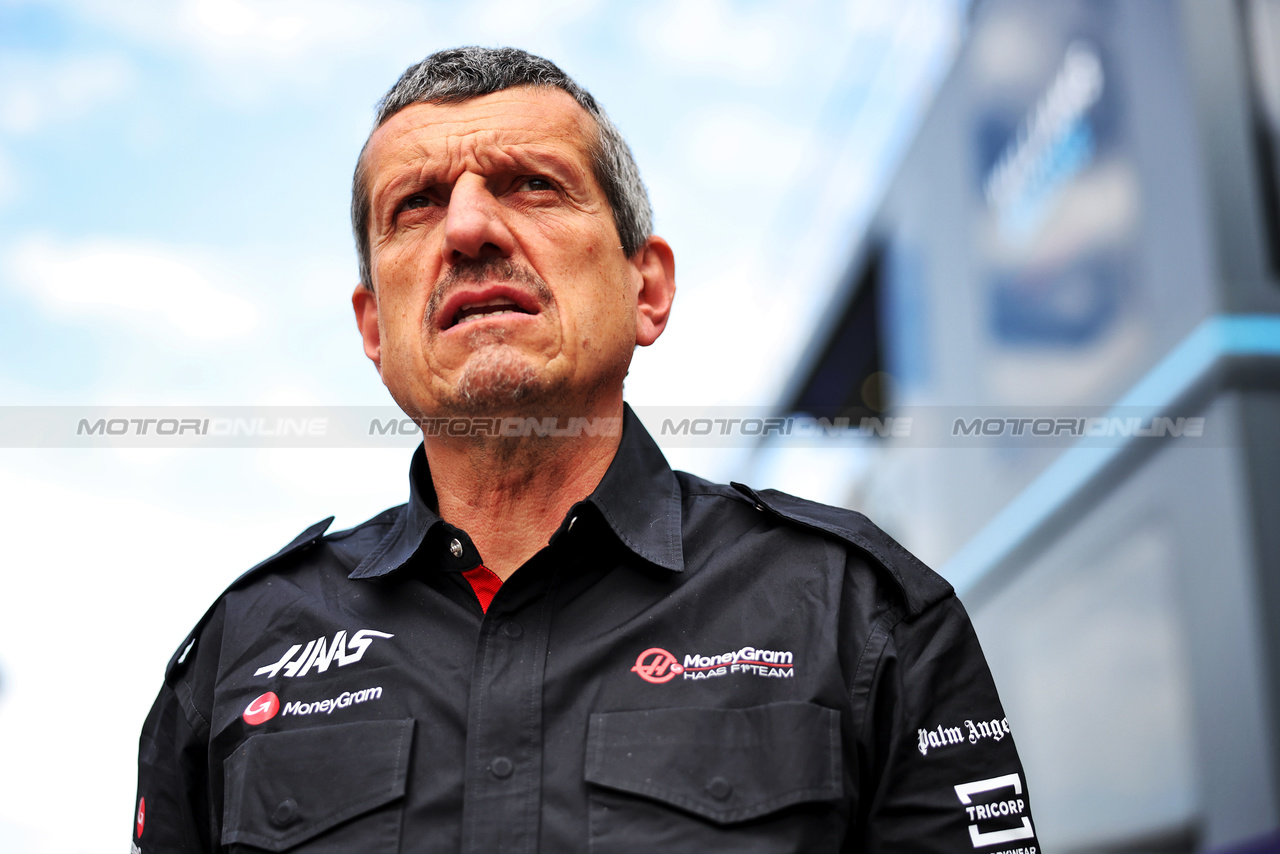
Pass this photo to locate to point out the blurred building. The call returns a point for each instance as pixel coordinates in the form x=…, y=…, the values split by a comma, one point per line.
x=1086, y=229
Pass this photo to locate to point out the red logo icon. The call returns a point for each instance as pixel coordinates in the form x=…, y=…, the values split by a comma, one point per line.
x=142, y=815
x=657, y=665
x=262, y=709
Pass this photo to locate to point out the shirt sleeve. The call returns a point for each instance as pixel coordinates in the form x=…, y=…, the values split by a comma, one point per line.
x=171, y=813
x=943, y=773
x=173, y=809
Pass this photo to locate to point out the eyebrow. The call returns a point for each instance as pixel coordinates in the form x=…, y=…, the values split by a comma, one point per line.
x=531, y=156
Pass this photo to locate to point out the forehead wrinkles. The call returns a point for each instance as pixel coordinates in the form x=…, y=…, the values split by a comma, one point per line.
x=407, y=149
x=488, y=133
x=446, y=156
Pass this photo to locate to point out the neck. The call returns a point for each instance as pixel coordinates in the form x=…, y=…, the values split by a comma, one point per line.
x=510, y=494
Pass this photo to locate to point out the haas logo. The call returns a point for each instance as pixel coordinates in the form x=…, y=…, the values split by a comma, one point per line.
x=657, y=665
x=320, y=653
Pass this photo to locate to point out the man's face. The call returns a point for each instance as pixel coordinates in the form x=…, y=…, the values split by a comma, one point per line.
x=498, y=279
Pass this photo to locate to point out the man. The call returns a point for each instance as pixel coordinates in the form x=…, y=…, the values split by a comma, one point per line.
x=558, y=644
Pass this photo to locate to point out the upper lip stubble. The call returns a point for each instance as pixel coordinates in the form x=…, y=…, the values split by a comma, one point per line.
x=486, y=280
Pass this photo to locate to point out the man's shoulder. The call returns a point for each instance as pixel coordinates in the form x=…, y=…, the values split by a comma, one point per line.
x=919, y=585
x=346, y=546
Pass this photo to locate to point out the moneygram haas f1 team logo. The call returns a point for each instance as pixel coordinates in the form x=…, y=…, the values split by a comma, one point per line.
x=656, y=665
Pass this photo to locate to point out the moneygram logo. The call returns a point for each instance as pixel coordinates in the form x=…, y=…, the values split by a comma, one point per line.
x=262, y=709
x=656, y=665
x=142, y=816
x=345, y=700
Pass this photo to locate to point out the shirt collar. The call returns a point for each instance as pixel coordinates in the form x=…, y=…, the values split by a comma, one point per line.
x=638, y=497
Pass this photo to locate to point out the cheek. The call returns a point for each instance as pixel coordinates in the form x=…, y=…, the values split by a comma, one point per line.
x=610, y=322
x=407, y=257
x=400, y=277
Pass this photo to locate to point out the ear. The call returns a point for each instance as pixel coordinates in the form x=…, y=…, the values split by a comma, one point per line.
x=365, y=302
x=656, y=265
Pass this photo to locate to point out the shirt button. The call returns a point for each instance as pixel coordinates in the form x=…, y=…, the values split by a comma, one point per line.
x=719, y=788
x=455, y=547
x=285, y=813
x=512, y=630
x=501, y=767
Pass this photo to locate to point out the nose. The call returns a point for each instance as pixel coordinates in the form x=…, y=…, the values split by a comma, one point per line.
x=475, y=225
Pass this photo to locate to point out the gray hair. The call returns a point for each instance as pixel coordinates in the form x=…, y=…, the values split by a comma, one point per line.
x=460, y=74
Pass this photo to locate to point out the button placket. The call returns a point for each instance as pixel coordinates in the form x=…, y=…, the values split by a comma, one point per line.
x=504, y=721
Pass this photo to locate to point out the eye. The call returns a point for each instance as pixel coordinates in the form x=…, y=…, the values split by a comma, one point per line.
x=417, y=200
x=534, y=184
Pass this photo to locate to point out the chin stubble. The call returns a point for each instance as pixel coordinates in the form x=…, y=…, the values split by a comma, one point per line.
x=496, y=376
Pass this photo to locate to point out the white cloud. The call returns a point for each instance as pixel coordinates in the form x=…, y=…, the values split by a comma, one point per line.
x=712, y=37
x=716, y=37
x=871, y=17
x=284, y=29
x=517, y=20
x=744, y=147
x=232, y=19
x=141, y=284
x=250, y=50
x=40, y=91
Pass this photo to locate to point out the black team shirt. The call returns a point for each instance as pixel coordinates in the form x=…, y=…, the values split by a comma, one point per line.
x=685, y=667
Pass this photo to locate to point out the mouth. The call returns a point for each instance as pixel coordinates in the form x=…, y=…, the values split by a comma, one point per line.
x=471, y=305
x=490, y=308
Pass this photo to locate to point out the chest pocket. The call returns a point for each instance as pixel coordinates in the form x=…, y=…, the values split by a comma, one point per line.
x=319, y=789
x=763, y=779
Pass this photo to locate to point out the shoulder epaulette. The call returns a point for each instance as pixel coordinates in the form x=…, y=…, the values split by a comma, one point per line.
x=300, y=542
x=920, y=585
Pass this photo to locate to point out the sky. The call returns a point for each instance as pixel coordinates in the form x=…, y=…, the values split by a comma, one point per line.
x=174, y=180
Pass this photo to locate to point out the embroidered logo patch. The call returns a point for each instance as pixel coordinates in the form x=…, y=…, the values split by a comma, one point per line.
x=262, y=709
x=318, y=654
x=657, y=665
x=997, y=811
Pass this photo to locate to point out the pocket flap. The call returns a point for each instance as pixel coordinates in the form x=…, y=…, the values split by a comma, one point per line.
x=723, y=764
x=283, y=788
